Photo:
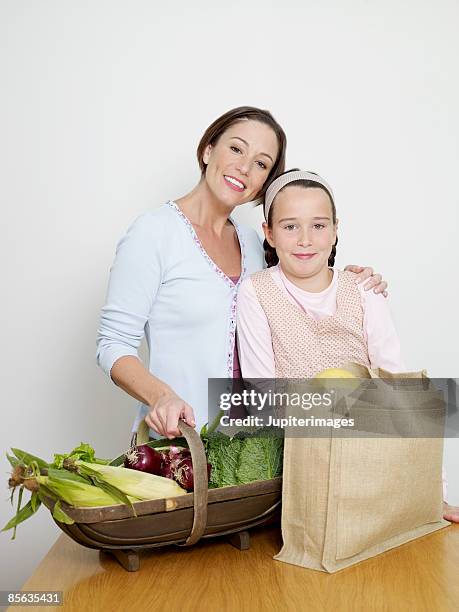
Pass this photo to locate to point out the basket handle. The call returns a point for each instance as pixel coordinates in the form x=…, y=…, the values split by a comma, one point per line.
x=199, y=460
x=201, y=485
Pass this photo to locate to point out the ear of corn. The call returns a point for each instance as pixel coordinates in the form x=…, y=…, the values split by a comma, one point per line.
x=54, y=474
x=77, y=493
x=92, y=477
x=135, y=483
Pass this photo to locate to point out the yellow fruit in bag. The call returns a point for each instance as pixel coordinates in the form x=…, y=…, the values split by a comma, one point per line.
x=335, y=373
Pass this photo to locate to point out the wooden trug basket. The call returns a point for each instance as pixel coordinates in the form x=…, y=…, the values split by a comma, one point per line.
x=182, y=520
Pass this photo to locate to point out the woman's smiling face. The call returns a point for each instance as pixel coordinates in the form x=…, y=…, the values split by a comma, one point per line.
x=302, y=231
x=239, y=163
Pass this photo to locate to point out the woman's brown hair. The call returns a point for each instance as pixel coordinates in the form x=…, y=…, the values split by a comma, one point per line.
x=220, y=125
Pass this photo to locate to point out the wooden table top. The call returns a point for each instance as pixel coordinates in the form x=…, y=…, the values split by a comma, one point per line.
x=213, y=575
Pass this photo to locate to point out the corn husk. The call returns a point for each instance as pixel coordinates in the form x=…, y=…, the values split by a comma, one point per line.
x=133, y=482
x=78, y=494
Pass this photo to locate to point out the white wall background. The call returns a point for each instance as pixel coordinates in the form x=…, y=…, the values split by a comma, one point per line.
x=102, y=105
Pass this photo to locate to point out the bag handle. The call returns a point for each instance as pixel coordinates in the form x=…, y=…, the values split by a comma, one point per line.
x=361, y=371
x=201, y=489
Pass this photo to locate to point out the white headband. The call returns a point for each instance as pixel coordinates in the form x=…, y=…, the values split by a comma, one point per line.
x=289, y=177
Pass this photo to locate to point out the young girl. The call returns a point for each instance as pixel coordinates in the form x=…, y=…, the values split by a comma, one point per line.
x=300, y=316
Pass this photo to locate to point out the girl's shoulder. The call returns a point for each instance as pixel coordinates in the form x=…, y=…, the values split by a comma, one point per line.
x=344, y=276
x=248, y=285
x=262, y=281
x=260, y=276
x=347, y=282
x=254, y=277
x=369, y=300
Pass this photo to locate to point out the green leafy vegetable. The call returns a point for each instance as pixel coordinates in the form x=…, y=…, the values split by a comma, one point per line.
x=83, y=452
x=244, y=458
x=260, y=459
x=223, y=454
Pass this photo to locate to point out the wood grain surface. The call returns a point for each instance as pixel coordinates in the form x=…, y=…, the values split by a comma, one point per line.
x=419, y=576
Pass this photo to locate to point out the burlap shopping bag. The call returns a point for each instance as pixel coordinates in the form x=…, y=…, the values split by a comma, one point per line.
x=349, y=498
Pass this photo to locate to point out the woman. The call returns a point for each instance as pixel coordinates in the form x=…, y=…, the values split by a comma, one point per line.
x=177, y=272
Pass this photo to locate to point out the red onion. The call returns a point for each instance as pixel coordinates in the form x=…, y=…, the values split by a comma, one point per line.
x=176, y=464
x=176, y=453
x=144, y=459
x=170, y=459
x=184, y=473
x=166, y=470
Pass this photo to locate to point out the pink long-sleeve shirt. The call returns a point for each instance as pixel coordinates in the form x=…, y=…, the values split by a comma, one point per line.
x=254, y=336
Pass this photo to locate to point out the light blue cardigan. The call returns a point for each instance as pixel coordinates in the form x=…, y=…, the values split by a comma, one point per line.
x=164, y=285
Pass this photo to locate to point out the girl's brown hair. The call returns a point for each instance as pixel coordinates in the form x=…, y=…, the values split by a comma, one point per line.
x=271, y=257
x=220, y=125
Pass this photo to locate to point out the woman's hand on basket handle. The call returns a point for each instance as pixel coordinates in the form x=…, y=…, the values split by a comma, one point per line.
x=166, y=413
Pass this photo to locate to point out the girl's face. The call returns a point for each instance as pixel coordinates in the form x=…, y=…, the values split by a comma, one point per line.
x=302, y=232
x=239, y=163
